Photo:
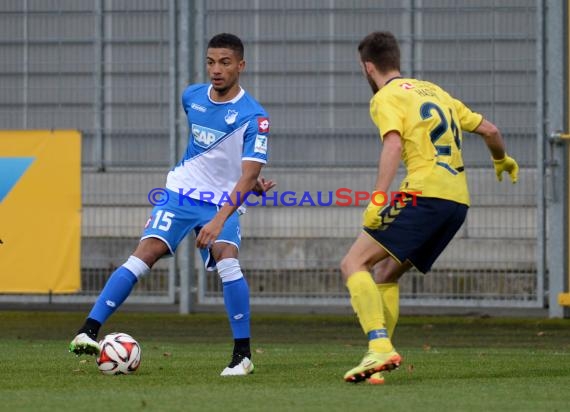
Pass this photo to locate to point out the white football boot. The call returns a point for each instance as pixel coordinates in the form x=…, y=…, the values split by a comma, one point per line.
x=239, y=366
x=82, y=344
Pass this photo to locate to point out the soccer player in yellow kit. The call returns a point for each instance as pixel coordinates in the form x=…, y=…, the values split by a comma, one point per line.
x=420, y=124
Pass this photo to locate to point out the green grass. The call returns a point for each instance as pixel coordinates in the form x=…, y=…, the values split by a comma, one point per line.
x=453, y=364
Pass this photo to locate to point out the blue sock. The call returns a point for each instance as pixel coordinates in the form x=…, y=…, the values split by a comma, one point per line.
x=116, y=290
x=236, y=299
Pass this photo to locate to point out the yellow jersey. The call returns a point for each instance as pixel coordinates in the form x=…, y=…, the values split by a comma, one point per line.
x=430, y=123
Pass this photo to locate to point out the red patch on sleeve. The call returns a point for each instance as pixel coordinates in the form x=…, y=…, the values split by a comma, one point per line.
x=263, y=124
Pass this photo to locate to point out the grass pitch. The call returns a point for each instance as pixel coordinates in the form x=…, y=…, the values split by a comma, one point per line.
x=450, y=364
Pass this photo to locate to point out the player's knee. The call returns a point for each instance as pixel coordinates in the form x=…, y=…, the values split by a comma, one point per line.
x=346, y=267
x=150, y=250
x=136, y=266
x=229, y=269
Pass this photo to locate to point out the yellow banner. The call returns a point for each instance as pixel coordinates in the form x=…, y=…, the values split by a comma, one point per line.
x=40, y=211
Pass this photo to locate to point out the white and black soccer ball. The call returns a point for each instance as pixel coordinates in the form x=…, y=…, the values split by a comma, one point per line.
x=120, y=354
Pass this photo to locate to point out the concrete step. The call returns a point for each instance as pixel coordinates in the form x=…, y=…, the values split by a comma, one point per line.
x=131, y=188
x=463, y=254
x=313, y=222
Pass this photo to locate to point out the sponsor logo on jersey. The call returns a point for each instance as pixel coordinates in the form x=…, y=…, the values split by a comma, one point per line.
x=231, y=116
x=260, y=144
x=407, y=86
x=196, y=106
x=204, y=136
x=263, y=124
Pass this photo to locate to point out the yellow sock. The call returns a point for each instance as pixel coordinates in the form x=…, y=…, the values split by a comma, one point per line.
x=390, y=294
x=367, y=304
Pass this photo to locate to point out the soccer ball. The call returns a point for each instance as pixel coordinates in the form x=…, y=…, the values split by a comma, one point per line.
x=120, y=354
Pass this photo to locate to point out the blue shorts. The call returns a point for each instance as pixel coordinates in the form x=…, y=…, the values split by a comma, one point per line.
x=172, y=221
x=420, y=232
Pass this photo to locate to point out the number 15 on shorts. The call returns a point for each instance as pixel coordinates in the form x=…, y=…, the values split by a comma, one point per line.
x=162, y=220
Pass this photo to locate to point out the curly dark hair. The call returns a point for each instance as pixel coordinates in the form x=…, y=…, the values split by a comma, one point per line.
x=227, y=41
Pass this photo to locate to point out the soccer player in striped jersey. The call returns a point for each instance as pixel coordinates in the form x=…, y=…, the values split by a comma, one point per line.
x=421, y=125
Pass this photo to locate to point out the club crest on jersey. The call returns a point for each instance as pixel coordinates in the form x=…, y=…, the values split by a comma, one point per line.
x=231, y=116
x=263, y=124
x=204, y=136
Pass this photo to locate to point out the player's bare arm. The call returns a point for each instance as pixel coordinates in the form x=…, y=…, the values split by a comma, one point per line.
x=246, y=183
x=389, y=161
x=494, y=141
x=492, y=137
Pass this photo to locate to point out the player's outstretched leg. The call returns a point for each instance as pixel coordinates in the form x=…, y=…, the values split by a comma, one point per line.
x=116, y=290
